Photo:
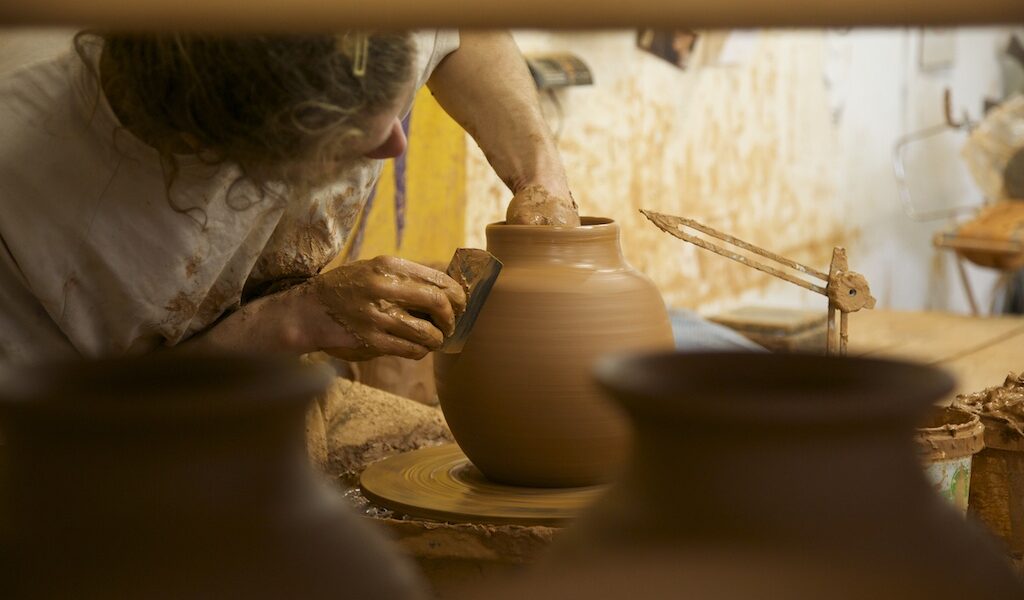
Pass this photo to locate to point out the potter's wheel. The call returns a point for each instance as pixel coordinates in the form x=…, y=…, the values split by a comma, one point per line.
x=440, y=483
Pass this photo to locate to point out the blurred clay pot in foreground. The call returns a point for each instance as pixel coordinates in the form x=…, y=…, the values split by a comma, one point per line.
x=749, y=469
x=176, y=476
x=519, y=398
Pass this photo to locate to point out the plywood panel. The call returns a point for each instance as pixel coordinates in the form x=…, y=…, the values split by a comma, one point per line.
x=749, y=150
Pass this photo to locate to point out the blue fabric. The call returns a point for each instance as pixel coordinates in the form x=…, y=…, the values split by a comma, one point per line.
x=695, y=334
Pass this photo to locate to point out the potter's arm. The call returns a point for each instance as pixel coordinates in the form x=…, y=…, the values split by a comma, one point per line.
x=486, y=86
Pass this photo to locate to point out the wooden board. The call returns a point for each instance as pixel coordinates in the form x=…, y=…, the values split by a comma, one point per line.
x=979, y=351
x=316, y=15
x=771, y=320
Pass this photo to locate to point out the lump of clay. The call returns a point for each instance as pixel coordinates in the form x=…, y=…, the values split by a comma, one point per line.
x=1002, y=402
x=533, y=205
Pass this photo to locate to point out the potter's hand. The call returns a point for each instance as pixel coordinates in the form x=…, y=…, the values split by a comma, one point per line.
x=486, y=87
x=356, y=312
x=534, y=205
x=387, y=305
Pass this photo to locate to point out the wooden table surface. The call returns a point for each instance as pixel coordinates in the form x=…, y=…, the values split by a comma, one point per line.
x=979, y=351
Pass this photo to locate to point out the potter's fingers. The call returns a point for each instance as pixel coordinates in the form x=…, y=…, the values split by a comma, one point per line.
x=430, y=300
x=418, y=331
x=455, y=294
x=396, y=346
x=451, y=288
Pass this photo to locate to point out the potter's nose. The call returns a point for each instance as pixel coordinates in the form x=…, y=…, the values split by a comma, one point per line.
x=393, y=146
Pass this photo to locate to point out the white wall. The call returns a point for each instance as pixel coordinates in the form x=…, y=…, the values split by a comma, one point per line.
x=790, y=149
x=884, y=93
x=19, y=46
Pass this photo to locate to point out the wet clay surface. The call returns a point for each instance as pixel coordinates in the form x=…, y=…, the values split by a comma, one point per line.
x=533, y=205
x=519, y=398
x=1002, y=404
x=950, y=433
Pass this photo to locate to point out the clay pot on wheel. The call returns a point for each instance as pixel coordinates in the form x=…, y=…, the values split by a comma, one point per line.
x=176, y=476
x=519, y=398
x=794, y=473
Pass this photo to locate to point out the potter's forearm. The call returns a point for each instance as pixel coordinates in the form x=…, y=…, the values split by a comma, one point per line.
x=268, y=325
x=486, y=86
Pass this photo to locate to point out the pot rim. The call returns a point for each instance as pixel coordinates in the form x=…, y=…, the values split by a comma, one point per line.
x=588, y=224
x=757, y=389
x=953, y=418
x=151, y=389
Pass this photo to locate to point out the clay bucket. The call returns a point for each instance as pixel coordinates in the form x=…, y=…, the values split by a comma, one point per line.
x=997, y=486
x=948, y=442
x=519, y=398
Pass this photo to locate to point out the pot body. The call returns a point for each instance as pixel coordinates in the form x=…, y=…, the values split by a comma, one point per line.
x=176, y=476
x=519, y=398
x=807, y=460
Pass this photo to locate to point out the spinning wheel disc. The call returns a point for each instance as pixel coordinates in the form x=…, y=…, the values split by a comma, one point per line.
x=440, y=483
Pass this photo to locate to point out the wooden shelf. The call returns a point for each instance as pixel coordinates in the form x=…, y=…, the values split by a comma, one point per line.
x=317, y=15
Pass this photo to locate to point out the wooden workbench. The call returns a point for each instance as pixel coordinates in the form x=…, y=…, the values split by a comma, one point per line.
x=979, y=351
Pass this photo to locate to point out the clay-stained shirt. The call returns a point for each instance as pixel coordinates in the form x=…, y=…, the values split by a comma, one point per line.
x=98, y=258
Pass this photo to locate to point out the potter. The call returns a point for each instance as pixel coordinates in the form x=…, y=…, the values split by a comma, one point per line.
x=189, y=190
x=196, y=185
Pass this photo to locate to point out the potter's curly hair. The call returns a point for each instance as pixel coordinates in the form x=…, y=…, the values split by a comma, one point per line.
x=259, y=101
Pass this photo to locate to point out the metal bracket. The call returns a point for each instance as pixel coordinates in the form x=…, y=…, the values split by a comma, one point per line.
x=847, y=291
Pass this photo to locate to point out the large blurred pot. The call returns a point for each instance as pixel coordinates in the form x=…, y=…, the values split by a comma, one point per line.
x=790, y=473
x=176, y=476
x=519, y=398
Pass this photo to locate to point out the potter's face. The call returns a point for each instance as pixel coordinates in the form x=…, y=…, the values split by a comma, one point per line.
x=378, y=135
x=383, y=136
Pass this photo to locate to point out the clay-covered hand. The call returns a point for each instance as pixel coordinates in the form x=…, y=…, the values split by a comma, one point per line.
x=358, y=311
x=534, y=205
x=388, y=306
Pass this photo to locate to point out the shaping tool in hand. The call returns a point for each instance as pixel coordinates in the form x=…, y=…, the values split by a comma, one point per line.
x=475, y=270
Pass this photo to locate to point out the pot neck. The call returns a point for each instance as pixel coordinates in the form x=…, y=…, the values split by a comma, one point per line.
x=154, y=479
x=784, y=485
x=594, y=244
